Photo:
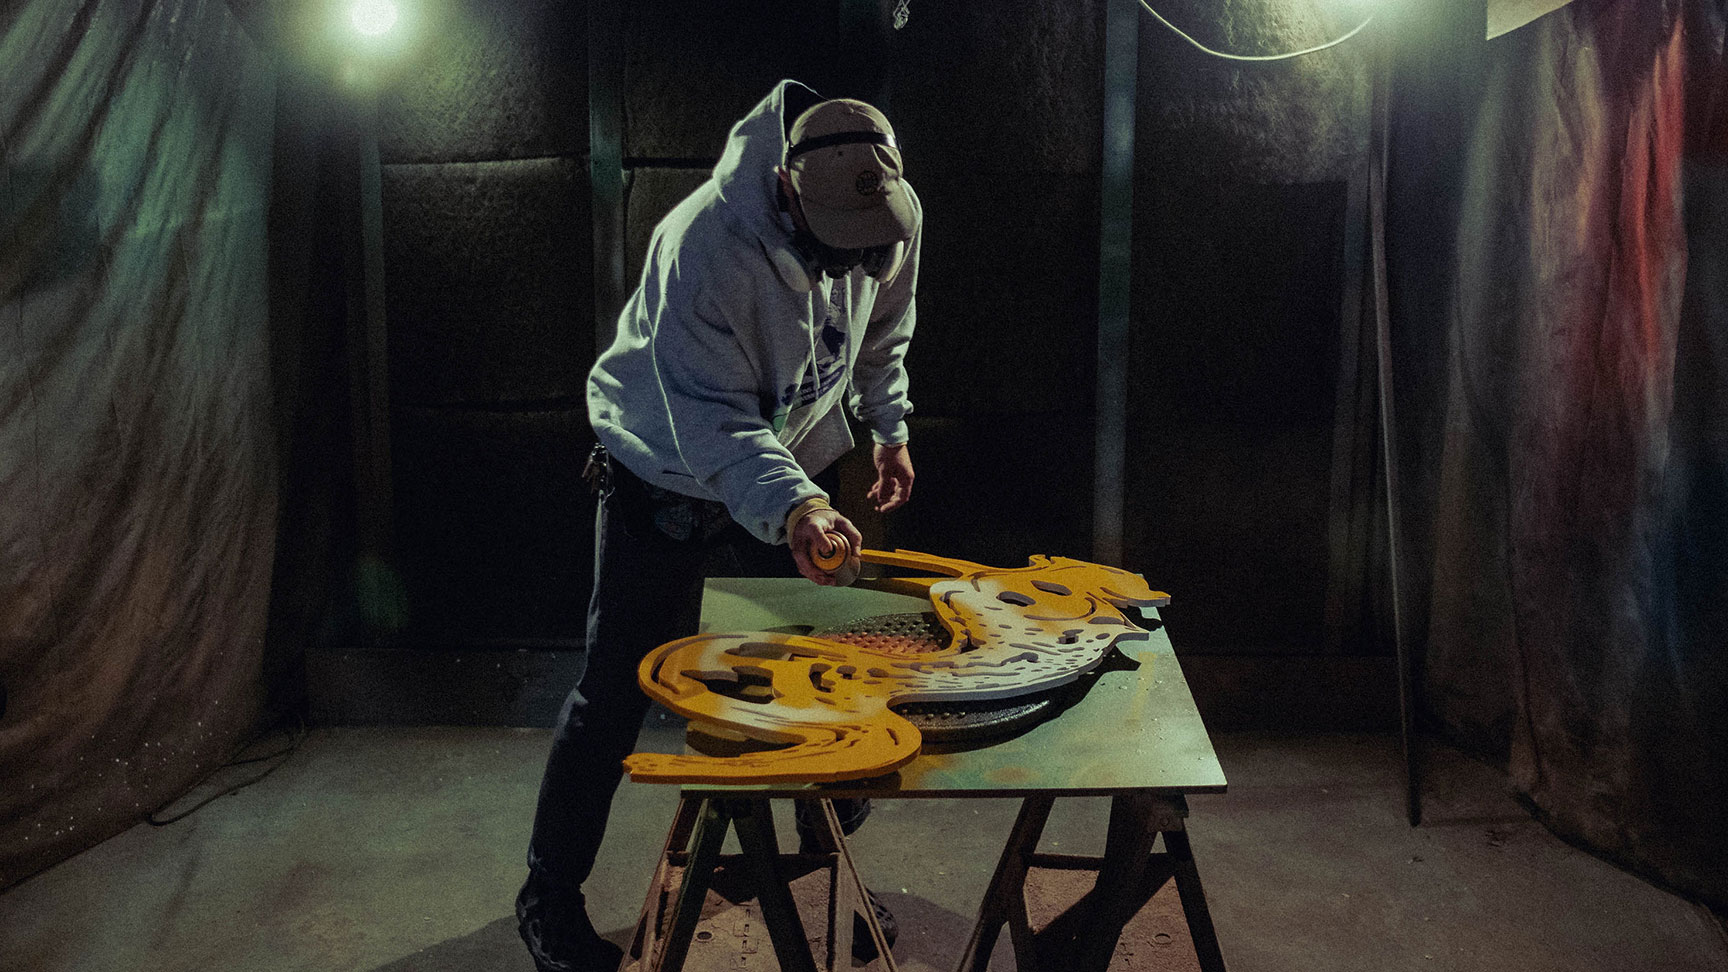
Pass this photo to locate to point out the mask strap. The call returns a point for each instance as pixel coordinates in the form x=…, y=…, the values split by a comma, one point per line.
x=841, y=138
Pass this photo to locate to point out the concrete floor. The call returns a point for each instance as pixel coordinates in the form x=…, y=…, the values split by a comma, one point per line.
x=399, y=849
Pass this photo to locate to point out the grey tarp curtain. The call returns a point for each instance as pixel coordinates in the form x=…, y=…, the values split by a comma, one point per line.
x=137, y=469
x=1556, y=243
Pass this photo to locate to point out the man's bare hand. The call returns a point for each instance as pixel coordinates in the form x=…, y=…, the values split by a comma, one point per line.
x=893, y=477
x=811, y=534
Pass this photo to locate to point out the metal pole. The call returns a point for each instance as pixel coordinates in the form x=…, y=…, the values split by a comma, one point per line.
x=606, y=162
x=1116, y=238
x=1388, y=424
x=377, y=346
x=1352, y=456
x=380, y=599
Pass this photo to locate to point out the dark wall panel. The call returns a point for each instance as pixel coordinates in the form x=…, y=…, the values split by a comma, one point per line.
x=1000, y=88
x=489, y=274
x=1241, y=175
x=1241, y=179
x=483, y=79
x=649, y=194
x=1232, y=364
x=1230, y=122
x=494, y=525
x=1231, y=519
x=997, y=489
x=997, y=108
x=694, y=67
x=1237, y=291
x=1007, y=296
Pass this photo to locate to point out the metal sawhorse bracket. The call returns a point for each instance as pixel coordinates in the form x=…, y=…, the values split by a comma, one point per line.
x=1083, y=938
x=687, y=869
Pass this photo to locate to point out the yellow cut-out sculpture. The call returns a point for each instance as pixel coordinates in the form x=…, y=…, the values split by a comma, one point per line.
x=1014, y=631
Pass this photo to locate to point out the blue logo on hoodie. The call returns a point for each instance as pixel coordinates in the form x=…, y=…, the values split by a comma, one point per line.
x=830, y=364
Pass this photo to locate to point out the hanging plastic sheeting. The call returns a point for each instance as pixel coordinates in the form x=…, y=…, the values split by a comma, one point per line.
x=1509, y=15
x=1561, y=366
x=137, y=475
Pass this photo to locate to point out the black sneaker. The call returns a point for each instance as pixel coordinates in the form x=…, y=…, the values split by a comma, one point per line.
x=559, y=936
x=863, y=949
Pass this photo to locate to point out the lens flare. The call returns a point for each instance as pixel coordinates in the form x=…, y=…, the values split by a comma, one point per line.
x=373, y=17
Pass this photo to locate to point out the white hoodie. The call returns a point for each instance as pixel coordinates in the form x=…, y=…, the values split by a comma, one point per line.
x=724, y=381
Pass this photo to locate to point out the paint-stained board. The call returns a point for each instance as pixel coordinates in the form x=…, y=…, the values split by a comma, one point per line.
x=1134, y=727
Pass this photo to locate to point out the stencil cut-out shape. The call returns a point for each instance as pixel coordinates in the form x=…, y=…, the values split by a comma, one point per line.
x=1012, y=632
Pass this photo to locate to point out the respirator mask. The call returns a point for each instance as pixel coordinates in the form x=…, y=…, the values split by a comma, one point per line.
x=836, y=262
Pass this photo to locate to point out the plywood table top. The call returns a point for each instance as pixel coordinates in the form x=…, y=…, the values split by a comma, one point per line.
x=1134, y=729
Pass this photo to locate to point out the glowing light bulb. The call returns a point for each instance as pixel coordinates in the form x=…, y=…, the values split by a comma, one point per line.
x=373, y=17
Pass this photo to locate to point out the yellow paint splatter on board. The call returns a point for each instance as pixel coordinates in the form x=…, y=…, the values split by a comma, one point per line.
x=1013, y=631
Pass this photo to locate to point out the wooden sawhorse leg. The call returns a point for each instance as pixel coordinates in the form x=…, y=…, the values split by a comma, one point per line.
x=694, y=842
x=1129, y=874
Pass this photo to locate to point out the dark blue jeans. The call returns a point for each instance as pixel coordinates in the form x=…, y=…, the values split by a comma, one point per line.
x=652, y=551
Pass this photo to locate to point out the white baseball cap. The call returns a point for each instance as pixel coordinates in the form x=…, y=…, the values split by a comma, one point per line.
x=845, y=166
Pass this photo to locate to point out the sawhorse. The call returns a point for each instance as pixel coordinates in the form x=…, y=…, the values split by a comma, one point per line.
x=1083, y=938
x=670, y=914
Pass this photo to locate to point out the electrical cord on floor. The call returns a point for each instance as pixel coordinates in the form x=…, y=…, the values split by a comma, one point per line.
x=281, y=755
x=1252, y=57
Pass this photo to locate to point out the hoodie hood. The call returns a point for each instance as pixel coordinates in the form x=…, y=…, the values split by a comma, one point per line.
x=748, y=187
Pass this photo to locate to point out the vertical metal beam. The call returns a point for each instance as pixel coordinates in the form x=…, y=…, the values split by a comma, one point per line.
x=1378, y=148
x=606, y=162
x=379, y=598
x=1352, y=449
x=1116, y=238
x=377, y=335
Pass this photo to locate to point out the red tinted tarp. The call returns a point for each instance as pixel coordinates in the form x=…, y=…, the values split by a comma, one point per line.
x=1562, y=362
